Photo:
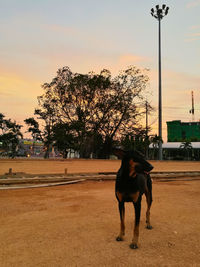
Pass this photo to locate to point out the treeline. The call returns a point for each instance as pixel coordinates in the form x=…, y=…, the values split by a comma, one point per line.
x=89, y=113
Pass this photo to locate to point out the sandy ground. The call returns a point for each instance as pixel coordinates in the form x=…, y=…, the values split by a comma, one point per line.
x=85, y=166
x=76, y=225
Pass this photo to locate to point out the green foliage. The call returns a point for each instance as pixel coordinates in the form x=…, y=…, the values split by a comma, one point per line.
x=64, y=139
x=34, y=128
x=10, y=135
x=155, y=140
x=136, y=141
x=186, y=145
x=187, y=149
x=97, y=108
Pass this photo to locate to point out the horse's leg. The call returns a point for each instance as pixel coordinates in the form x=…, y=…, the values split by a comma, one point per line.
x=149, y=200
x=137, y=206
x=122, y=223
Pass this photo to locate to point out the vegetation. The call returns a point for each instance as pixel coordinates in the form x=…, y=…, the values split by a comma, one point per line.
x=44, y=132
x=94, y=108
x=90, y=113
x=10, y=135
x=187, y=149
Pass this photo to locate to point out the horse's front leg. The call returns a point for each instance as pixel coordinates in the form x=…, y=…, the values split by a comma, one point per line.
x=137, y=206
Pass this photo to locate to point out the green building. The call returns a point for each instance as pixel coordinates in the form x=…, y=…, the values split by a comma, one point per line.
x=178, y=131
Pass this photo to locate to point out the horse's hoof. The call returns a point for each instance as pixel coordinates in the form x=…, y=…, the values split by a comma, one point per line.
x=149, y=227
x=133, y=246
x=119, y=238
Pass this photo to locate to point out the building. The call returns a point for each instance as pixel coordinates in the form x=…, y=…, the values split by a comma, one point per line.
x=178, y=131
x=176, y=151
x=33, y=148
x=29, y=147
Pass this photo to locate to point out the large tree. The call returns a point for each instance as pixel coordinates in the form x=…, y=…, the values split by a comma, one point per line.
x=64, y=138
x=10, y=135
x=96, y=104
x=43, y=132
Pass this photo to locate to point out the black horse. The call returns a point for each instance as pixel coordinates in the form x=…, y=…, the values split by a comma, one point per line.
x=132, y=181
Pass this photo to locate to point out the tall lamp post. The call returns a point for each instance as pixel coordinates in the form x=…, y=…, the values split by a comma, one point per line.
x=159, y=13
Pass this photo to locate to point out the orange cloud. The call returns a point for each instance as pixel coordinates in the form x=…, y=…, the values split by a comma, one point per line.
x=61, y=29
x=193, y=4
x=176, y=97
x=194, y=27
x=128, y=59
x=193, y=36
x=80, y=36
x=18, y=96
x=12, y=84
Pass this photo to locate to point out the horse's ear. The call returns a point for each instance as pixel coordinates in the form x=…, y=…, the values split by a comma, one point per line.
x=118, y=152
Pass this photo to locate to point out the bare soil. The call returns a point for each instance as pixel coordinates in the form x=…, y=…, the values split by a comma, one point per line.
x=76, y=225
x=35, y=166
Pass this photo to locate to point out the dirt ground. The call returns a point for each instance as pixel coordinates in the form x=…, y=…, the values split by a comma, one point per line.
x=35, y=166
x=76, y=225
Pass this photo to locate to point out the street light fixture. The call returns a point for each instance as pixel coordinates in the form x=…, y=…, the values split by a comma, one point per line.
x=159, y=13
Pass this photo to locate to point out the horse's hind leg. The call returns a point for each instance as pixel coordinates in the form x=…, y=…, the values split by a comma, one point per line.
x=122, y=223
x=148, y=194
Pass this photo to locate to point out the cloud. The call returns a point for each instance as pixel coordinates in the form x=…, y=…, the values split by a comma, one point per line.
x=78, y=38
x=194, y=27
x=119, y=61
x=193, y=37
x=176, y=97
x=18, y=96
x=194, y=34
x=128, y=59
x=61, y=29
x=176, y=88
x=193, y=4
x=12, y=84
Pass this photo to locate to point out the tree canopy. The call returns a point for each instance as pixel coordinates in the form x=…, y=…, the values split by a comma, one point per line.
x=94, y=109
x=10, y=134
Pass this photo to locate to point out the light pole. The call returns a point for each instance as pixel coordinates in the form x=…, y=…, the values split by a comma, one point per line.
x=159, y=13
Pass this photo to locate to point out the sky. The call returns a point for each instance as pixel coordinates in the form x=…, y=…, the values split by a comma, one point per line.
x=39, y=36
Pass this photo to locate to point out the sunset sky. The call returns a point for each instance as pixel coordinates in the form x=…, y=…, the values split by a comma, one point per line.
x=40, y=36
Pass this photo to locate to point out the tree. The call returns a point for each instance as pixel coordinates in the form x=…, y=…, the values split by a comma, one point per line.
x=155, y=140
x=45, y=134
x=10, y=135
x=64, y=138
x=187, y=148
x=96, y=104
x=34, y=129
x=135, y=141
